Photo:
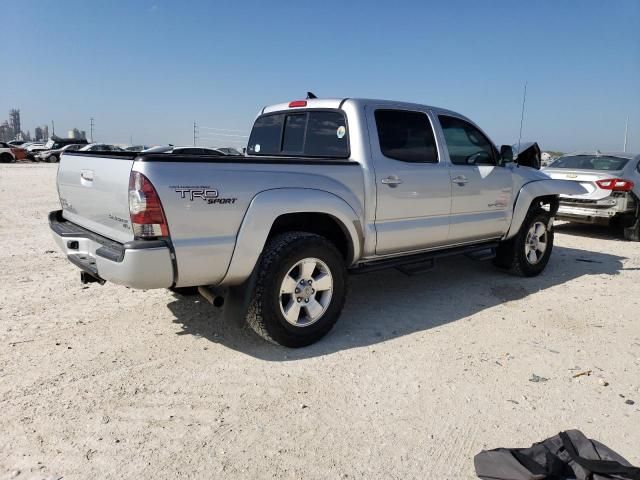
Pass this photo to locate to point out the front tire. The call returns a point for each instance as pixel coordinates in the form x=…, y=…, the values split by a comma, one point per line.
x=6, y=158
x=52, y=159
x=300, y=289
x=527, y=254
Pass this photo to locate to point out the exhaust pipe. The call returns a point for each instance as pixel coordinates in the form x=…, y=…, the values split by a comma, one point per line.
x=211, y=296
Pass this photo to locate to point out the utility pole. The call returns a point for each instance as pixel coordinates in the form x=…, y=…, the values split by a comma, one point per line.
x=92, y=124
x=626, y=129
x=195, y=133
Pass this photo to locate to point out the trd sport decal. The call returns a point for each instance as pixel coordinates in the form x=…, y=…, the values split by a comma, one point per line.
x=204, y=192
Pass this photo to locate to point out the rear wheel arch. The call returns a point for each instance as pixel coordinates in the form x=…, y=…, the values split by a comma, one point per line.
x=322, y=224
x=278, y=211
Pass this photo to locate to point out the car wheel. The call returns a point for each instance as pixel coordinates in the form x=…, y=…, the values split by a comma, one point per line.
x=6, y=158
x=300, y=289
x=52, y=159
x=527, y=254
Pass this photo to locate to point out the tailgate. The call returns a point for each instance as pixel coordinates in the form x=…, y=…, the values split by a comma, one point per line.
x=94, y=192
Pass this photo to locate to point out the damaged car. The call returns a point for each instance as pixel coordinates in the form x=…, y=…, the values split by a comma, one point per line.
x=612, y=181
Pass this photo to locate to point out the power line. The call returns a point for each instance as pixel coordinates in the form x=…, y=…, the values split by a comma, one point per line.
x=225, y=134
x=224, y=129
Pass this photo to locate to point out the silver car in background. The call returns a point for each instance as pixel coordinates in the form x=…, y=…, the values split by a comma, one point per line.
x=612, y=181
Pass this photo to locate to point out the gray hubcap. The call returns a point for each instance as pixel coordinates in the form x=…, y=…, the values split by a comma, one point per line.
x=536, y=242
x=305, y=293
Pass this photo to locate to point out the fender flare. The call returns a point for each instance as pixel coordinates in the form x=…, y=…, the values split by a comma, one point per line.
x=539, y=188
x=267, y=206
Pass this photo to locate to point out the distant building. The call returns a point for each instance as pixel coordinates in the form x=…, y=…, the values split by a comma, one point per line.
x=45, y=132
x=6, y=132
x=77, y=134
x=38, y=134
x=14, y=121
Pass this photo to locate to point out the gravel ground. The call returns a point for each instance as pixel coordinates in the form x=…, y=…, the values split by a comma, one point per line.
x=418, y=376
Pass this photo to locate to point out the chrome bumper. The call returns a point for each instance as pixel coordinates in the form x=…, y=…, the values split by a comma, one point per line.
x=142, y=264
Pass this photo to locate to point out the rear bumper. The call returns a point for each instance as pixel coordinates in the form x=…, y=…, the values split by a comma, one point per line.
x=143, y=264
x=595, y=211
x=585, y=214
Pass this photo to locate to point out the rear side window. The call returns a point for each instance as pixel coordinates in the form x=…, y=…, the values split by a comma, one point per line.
x=312, y=133
x=406, y=136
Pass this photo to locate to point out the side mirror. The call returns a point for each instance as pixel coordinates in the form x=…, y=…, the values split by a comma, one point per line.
x=506, y=154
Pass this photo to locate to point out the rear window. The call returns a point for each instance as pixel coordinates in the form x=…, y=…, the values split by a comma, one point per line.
x=313, y=133
x=406, y=136
x=590, y=162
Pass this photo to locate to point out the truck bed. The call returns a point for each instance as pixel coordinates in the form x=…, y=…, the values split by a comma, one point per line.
x=94, y=188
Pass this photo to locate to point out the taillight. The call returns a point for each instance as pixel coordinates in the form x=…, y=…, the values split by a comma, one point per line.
x=147, y=216
x=615, y=184
x=298, y=103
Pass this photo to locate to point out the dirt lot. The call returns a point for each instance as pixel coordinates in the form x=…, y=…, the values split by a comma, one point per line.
x=420, y=373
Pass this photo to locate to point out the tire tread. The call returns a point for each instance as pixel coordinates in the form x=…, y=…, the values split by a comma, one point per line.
x=272, y=254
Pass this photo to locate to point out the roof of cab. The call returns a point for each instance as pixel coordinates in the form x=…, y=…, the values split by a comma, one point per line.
x=336, y=103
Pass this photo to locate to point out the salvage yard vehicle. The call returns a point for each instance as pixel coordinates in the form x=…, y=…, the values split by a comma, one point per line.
x=612, y=183
x=10, y=153
x=328, y=186
x=101, y=147
x=53, y=155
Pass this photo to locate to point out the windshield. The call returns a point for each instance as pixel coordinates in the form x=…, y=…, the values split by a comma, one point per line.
x=590, y=162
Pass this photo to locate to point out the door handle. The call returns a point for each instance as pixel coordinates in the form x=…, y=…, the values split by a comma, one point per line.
x=86, y=175
x=392, y=181
x=461, y=180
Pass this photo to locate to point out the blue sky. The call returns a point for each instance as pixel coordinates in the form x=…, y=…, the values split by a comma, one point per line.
x=149, y=69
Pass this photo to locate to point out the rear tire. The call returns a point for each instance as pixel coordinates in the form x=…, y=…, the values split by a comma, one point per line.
x=6, y=158
x=527, y=254
x=632, y=233
x=52, y=159
x=300, y=289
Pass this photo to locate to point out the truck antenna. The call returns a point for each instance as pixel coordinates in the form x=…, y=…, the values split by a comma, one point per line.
x=524, y=99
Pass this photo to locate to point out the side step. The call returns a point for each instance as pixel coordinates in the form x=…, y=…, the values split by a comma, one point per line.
x=418, y=267
x=486, y=254
x=422, y=262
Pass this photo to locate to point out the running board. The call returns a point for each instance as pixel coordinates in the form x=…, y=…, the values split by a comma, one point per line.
x=422, y=262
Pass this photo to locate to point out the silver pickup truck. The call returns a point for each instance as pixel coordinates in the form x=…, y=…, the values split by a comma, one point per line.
x=328, y=187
